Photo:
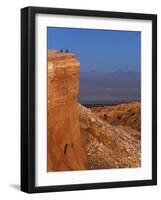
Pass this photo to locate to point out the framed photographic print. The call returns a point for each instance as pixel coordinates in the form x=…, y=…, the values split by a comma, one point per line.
x=88, y=99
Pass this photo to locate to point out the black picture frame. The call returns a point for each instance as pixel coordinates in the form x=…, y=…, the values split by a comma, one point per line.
x=28, y=98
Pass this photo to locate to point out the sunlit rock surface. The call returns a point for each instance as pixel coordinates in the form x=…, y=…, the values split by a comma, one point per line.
x=65, y=150
x=108, y=146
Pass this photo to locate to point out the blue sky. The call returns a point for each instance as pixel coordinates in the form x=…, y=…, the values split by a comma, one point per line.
x=99, y=50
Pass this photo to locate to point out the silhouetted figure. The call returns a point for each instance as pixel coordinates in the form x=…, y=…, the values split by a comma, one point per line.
x=67, y=51
x=61, y=50
x=105, y=116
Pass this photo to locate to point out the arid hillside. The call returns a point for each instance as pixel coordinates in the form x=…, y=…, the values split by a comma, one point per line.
x=128, y=114
x=108, y=146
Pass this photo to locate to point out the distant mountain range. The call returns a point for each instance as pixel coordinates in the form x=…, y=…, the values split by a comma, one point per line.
x=110, y=87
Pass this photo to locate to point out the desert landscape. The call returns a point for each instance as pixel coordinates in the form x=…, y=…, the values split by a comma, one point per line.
x=87, y=137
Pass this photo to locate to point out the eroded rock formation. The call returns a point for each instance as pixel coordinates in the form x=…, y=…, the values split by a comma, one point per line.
x=108, y=146
x=127, y=114
x=65, y=151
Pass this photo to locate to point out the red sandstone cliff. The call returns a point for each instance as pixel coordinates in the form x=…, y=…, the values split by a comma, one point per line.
x=65, y=151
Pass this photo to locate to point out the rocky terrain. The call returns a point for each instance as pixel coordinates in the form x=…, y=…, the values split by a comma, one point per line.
x=108, y=146
x=65, y=150
x=128, y=114
x=81, y=138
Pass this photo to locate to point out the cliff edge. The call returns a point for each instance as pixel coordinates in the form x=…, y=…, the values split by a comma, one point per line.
x=65, y=150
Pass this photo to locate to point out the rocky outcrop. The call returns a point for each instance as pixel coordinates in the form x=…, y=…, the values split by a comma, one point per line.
x=128, y=114
x=51, y=53
x=108, y=146
x=65, y=150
